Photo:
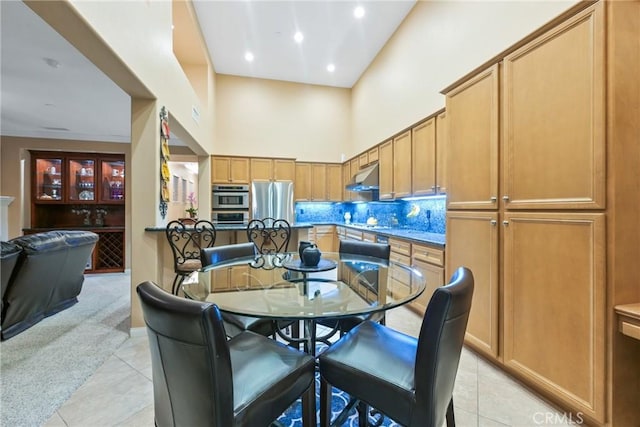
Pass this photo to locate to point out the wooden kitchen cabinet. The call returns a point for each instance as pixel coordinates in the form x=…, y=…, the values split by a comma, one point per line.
x=402, y=165
x=423, y=158
x=442, y=141
x=226, y=170
x=429, y=261
x=302, y=188
x=472, y=157
x=224, y=279
x=385, y=168
x=472, y=242
x=284, y=170
x=372, y=154
x=554, y=303
x=334, y=182
x=267, y=169
x=318, y=182
x=324, y=236
x=346, y=179
x=551, y=163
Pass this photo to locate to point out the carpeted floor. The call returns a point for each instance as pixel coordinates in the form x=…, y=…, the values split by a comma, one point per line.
x=81, y=338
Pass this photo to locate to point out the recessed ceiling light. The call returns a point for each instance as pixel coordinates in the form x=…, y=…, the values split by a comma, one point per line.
x=248, y=56
x=51, y=62
x=331, y=68
x=298, y=37
x=358, y=12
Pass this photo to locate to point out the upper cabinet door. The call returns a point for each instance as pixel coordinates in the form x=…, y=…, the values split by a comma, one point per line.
x=302, y=189
x=442, y=138
x=112, y=181
x=472, y=152
x=385, y=169
x=48, y=179
x=82, y=182
x=554, y=118
x=284, y=170
x=402, y=165
x=261, y=169
x=423, y=158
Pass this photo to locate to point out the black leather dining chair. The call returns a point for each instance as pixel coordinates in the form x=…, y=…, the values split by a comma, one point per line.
x=186, y=242
x=235, y=323
x=356, y=248
x=201, y=378
x=409, y=380
x=270, y=235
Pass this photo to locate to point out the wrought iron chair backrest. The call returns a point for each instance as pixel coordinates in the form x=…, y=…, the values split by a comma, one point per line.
x=186, y=240
x=270, y=235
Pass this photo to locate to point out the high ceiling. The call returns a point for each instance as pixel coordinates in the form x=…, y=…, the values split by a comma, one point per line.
x=50, y=90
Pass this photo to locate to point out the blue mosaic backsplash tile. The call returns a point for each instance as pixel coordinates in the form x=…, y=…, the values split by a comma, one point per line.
x=426, y=214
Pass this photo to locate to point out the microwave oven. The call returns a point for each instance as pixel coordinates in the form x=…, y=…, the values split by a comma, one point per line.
x=230, y=197
x=230, y=217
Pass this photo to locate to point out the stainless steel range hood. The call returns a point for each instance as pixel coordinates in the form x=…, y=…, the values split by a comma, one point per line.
x=365, y=180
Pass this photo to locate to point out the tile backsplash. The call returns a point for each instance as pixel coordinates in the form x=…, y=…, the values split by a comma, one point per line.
x=427, y=214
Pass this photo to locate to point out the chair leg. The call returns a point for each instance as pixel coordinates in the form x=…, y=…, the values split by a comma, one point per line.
x=325, y=403
x=177, y=281
x=363, y=414
x=309, y=407
x=451, y=422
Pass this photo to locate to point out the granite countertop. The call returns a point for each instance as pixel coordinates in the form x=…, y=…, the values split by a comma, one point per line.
x=403, y=233
x=234, y=227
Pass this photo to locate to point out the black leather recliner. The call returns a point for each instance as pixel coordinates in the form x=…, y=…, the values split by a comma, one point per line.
x=47, y=278
x=200, y=378
x=9, y=253
x=410, y=380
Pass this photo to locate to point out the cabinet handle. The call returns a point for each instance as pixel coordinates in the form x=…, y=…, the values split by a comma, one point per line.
x=494, y=222
x=433, y=187
x=505, y=198
x=505, y=222
x=493, y=199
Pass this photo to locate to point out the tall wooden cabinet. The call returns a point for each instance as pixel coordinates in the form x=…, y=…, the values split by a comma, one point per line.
x=549, y=246
x=72, y=190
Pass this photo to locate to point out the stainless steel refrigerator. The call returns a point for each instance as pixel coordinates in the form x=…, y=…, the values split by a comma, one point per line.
x=272, y=199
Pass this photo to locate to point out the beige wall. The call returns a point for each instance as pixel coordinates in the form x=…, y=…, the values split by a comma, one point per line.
x=258, y=117
x=438, y=42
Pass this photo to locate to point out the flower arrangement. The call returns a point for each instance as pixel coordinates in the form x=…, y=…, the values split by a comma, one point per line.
x=192, y=210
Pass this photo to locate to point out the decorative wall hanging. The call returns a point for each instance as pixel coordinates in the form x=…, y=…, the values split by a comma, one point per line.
x=165, y=174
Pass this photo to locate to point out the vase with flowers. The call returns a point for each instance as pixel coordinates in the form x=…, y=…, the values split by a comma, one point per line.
x=192, y=210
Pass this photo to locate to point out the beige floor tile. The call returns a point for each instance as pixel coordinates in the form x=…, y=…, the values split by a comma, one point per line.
x=135, y=352
x=143, y=418
x=55, y=421
x=113, y=394
x=464, y=418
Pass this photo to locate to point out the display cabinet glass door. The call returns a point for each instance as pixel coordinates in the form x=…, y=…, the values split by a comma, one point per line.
x=48, y=175
x=112, y=181
x=82, y=180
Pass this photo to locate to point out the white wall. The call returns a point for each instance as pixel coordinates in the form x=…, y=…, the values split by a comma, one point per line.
x=256, y=117
x=438, y=42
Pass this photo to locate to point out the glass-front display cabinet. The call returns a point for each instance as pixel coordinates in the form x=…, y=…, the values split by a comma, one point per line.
x=48, y=179
x=112, y=180
x=72, y=190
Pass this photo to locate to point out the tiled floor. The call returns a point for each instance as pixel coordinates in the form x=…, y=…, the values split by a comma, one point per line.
x=120, y=393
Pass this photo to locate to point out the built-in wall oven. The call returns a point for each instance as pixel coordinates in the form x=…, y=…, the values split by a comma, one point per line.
x=230, y=203
x=230, y=196
x=230, y=217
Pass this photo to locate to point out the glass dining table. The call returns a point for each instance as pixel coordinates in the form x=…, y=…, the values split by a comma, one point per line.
x=280, y=287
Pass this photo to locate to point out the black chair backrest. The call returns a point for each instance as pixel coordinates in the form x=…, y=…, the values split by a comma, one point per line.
x=190, y=360
x=187, y=240
x=439, y=346
x=218, y=254
x=269, y=235
x=355, y=247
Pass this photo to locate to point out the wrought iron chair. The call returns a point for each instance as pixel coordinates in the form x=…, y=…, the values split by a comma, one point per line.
x=201, y=378
x=270, y=235
x=410, y=380
x=186, y=241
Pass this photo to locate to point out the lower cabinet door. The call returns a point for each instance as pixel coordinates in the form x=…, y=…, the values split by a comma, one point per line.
x=554, y=305
x=472, y=242
x=434, y=277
